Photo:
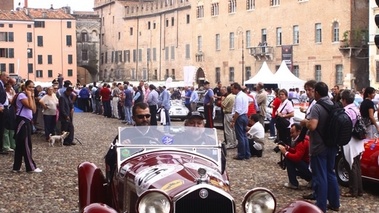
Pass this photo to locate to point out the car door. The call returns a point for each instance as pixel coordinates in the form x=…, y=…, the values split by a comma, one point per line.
x=370, y=160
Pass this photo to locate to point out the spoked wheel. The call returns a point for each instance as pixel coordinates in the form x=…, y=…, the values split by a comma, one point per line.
x=341, y=172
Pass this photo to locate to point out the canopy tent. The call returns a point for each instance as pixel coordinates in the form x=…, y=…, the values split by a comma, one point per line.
x=264, y=75
x=286, y=79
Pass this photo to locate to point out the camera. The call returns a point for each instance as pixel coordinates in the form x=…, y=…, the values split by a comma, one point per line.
x=276, y=149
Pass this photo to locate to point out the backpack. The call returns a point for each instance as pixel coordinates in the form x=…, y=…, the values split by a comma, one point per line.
x=338, y=128
x=359, y=129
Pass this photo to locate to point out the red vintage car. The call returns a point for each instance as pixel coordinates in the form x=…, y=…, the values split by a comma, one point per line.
x=168, y=170
x=369, y=164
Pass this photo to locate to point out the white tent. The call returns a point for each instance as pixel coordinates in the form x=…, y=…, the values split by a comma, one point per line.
x=264, y=75
x=286, y=79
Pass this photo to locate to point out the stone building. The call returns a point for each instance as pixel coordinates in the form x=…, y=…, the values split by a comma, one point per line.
x=229, y=40
x=87, y=45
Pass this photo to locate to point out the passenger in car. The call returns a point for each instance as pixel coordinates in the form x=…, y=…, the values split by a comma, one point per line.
x=195, y=119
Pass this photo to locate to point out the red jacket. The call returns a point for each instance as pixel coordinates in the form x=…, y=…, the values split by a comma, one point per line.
x=251, y=110
x=300, y=151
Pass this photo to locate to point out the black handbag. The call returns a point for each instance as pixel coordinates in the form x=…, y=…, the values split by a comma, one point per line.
x=282, y=123
x=359, y=129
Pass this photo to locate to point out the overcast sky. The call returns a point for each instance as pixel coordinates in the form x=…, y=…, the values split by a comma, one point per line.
x=76, y=5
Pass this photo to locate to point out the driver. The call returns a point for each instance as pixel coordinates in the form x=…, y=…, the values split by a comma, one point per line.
x=141, y=118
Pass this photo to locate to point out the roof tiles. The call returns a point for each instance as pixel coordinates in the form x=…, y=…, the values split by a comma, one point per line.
x=28, y=14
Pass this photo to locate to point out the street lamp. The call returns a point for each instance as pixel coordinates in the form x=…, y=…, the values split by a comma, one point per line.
x=240, y=32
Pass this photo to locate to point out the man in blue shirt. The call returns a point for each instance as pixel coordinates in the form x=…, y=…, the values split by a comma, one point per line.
x=193, y=99
x=128, y=103
x=187, y=96
x=164, y=101
x=208, y=105
x=152, y=101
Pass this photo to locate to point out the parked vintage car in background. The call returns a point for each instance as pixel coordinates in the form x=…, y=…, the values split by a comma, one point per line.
x=369, y=164
x=168, y=169
x=177, y=110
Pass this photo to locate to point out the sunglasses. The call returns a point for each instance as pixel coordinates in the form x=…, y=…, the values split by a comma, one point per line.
x=143, y=116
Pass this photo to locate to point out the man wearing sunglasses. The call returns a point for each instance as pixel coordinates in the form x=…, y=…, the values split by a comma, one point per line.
x=144, y=133
x=141, y=114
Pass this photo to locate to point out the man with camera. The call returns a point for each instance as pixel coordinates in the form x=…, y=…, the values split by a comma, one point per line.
x=296, y=158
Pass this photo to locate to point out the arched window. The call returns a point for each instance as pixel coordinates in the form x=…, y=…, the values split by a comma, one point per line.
x=336, y=32
x=84, y=36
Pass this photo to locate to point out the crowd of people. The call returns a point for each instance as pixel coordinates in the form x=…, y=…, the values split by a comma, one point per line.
x=243, y=112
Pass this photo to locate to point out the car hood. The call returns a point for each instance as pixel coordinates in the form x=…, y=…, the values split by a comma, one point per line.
x=171, y=172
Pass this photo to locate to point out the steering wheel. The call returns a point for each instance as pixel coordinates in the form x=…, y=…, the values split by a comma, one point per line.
x=144, y=139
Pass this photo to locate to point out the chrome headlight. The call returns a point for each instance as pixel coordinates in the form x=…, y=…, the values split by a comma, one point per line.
x=154, y=201
x=259, y=200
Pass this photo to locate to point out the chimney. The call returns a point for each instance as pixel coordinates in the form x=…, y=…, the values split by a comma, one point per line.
x=26, y=3
x=51, y=7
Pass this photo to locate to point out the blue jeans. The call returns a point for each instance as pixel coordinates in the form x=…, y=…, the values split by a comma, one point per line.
x=243, y=147
x=295, y=169
x=272, y=127
x=324, y=179
x=107, y=109
x=49, y=122
x=128, y=114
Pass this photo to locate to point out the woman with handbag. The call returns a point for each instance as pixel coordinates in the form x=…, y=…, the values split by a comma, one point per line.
x=284, y=116
x=367, y=110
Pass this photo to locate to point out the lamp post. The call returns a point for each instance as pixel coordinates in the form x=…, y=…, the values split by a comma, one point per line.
x=240, y=32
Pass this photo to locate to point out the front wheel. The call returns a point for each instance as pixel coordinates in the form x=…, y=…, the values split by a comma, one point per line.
x=341, y=171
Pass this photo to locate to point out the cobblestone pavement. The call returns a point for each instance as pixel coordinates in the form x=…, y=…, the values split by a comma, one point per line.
x=55, y=189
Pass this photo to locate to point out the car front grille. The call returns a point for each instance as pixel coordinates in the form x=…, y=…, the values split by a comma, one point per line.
x=215, y=202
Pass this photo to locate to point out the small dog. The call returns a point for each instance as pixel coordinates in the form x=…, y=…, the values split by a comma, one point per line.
x=53, y=138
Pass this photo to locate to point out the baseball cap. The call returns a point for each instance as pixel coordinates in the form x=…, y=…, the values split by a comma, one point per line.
x=195, y=114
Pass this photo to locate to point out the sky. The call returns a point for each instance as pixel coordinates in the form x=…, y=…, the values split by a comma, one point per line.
x=76, y=5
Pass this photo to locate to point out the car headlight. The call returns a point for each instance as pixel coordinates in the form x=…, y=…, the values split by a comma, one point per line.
x=154, y=201
x=259, y=200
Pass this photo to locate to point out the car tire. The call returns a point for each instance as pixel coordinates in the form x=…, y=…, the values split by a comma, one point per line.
x=341, y=172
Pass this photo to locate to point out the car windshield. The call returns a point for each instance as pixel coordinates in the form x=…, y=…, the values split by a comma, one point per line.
x=133, y=140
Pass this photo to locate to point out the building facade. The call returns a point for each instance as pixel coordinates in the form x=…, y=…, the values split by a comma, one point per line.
x=38, y=44
x=374, y=53
x=229, y=40
x=87, y=46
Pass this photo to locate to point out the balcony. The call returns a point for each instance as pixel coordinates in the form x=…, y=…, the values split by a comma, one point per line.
x=262, y=52
x=354, y=43
x=199, y=56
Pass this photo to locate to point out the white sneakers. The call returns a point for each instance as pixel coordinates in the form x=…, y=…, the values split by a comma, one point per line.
x=37, y=170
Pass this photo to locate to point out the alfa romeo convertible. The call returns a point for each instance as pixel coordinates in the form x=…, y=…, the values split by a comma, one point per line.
x=168, y=170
